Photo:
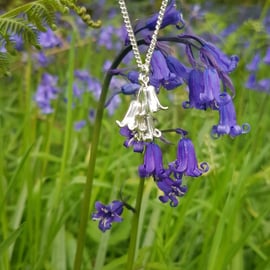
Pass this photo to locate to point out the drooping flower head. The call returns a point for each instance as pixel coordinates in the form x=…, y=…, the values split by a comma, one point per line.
x=178, y=68
x=204, y=89
x=153, y=164
x=171, y=189
x=214, y=57
x=227, y=119
x=186, y=162
x=172, y=16
x=107, y=214
x=161, y=74
x=196, y=87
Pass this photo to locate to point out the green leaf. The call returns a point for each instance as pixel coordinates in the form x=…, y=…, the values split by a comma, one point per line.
x=11, y=239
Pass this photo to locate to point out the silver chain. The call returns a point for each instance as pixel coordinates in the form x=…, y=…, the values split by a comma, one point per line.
x=143, y=67
x=139, y=117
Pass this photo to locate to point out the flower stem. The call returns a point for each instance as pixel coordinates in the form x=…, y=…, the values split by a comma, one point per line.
x=92, y=162
x=134, y=229
x=90, y=177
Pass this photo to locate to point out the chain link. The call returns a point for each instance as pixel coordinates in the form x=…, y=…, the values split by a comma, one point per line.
x=143, y=67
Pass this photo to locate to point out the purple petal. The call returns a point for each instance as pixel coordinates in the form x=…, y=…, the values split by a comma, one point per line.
x=176, y=67
x=266, y=59
x=254, y=64
x=211, y=89
x=227, y=119
x=116, y=207
x=163, y=199
x=214, y=57
x=99, y=206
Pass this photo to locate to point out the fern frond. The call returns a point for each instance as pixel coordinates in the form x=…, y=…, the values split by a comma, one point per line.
x=41, y=15
x=27, y=20
x=4, y=63
x=18, y=26
x=54, y=5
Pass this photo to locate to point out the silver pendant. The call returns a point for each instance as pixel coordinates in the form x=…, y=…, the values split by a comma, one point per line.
x=139, y=115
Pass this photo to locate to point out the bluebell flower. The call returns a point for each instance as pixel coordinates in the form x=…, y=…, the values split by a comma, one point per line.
x=3, y=48
x=172, y=16
x=196, y=87
x=227, y=119
x=47, y=90
x=254, y=64
x=126, y=89
x=179, y=69
x=79, y=125
x=204, y=89
x=81, y=81
x=94, y=86
x=110, y=37
x=107, y=214
x=251, y=82
x=16, y=40
x=42, y=59
x=212, y=87
x=105, y=37
x=196, y=13
x=143, y=29
x=19, y=44
x=77, y=91
x=120, y=35
x=186, y=162
x=159, y=69
x=114, y=104
x=133, y=76
x=153, y=164
x=266, y=59
x=172, y=189
x=82, y=75
x=114, y=100
x=130, y=88
x=107, y=65
x=161, y=74
x=138, y=146
x=49, y=39
x=214, y=57
x=264, y=85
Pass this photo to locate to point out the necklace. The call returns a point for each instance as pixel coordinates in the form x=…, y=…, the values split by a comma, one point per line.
x=139, y=117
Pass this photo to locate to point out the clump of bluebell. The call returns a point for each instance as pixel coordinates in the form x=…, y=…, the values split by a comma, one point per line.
x=209, y=87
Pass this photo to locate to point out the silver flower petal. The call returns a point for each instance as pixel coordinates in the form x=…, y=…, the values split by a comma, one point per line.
x=152, y=99
x=151, y=131
x=141, y=123
x=130, y=117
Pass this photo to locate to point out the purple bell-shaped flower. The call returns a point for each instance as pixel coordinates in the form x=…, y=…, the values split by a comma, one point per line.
x=227, y=119
x=153, y=164
x=186, y=162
